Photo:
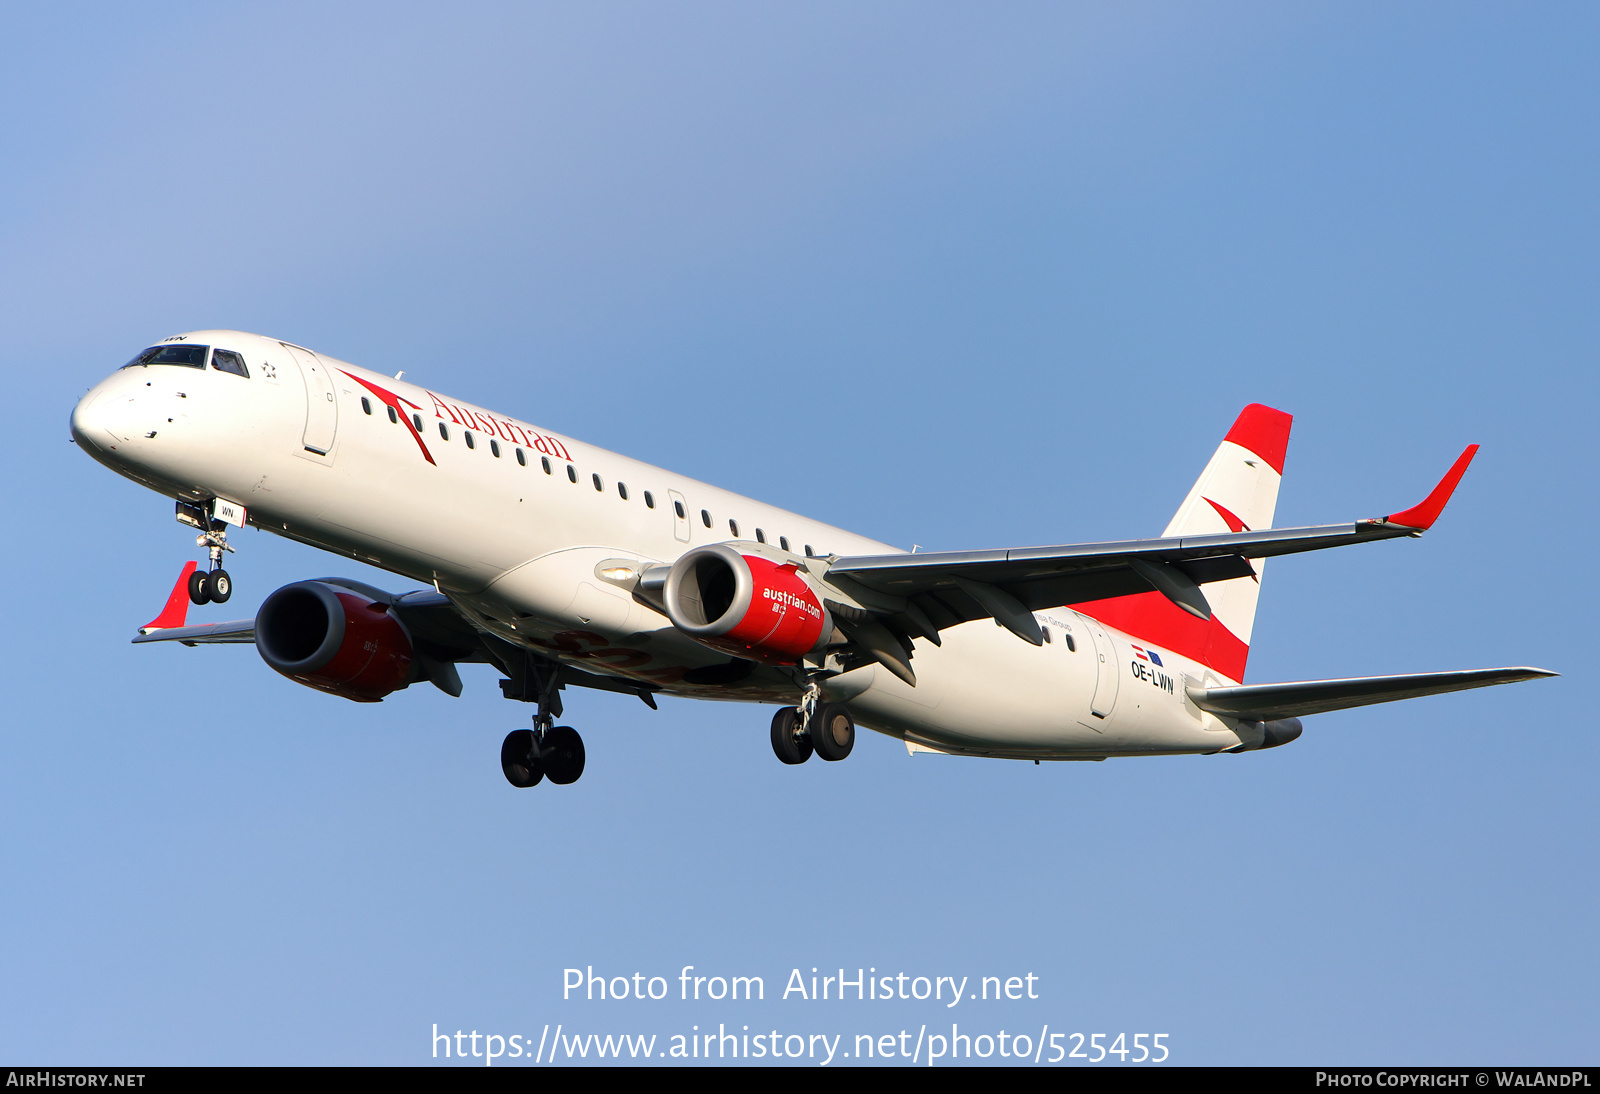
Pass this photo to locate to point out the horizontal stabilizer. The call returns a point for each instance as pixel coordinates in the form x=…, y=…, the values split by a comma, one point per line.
x=1265, y=702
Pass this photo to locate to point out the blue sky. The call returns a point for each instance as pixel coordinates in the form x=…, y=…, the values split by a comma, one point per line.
x=942, y=274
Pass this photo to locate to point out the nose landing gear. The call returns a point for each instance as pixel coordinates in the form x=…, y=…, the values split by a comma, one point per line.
x=208, y=587
x=214, y=585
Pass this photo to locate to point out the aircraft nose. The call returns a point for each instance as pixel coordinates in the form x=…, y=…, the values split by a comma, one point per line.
x=100, y=421
x=88, y=420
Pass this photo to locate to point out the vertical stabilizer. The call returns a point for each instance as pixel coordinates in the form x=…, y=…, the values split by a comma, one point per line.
x=1237, y=492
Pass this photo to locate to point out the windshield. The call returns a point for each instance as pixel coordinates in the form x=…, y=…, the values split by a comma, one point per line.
x=191, y=356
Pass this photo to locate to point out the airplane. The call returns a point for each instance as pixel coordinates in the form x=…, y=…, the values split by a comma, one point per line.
x=562, y=565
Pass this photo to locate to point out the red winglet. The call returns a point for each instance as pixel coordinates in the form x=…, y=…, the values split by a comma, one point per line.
x=176, y=613
x=1422, y=516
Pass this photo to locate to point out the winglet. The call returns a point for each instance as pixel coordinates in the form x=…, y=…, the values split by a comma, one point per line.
x=176, y=613
x=1421, y=517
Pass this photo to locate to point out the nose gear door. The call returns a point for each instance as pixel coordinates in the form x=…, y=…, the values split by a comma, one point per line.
x=322, y=412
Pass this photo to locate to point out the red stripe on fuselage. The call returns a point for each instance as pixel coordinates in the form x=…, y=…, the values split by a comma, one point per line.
x=1160, y=622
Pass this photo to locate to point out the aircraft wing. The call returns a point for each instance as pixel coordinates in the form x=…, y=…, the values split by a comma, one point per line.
x=442, y=638
x=1265, y=702
x=435, y=625
x=933, y=591
x=239, y=631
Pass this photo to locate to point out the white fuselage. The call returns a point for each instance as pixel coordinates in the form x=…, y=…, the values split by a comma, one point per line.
x=518, y=545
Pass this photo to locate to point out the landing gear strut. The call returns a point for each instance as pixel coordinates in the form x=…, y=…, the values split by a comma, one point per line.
x=546, y=750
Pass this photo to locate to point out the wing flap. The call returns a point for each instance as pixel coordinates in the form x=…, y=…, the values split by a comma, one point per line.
x=1265, y=702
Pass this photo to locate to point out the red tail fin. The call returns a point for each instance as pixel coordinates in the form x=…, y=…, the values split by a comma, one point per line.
x=1237, y=491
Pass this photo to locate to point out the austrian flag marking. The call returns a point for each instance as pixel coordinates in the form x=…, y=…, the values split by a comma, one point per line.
x=1147, y=655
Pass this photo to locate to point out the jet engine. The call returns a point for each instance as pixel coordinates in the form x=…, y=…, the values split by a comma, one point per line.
x=335, y=640
x=746, y=604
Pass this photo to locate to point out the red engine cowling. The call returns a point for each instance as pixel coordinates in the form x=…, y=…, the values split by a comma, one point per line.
x=335, y=640
x=745, y=605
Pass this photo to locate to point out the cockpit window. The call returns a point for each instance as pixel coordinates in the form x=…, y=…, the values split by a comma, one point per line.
x=225, y=360
x=190, y=356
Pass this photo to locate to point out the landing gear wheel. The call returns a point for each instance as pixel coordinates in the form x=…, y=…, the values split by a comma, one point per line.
x=832, y=731
x=219, y=585
x=517, y=759
x=562, y=755
x=788, y=742
x=199, y=588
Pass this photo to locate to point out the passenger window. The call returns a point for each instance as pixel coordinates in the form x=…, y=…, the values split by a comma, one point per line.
x=1045, y=633
x=649, y=500
x=545, y=462
x=1072, y=647
x=599, y=487
x=572, y=473
x=783, y=541
x=466, y=435
x=523, y=460
x=366, y=407
x=705, y=517
x=761, y=537
x=225, y=360
x=809, y=552
x=416, y=420
x=733, y=526
x=494, y=447
x=394, y=419
x=622, y=490
x=677, y=507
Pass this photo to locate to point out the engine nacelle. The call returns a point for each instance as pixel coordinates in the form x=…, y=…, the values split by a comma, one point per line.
x=335, y=640
x=746, y=604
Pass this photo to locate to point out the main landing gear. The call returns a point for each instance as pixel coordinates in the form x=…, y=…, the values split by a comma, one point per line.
x=528, y=756
x=814, y=726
